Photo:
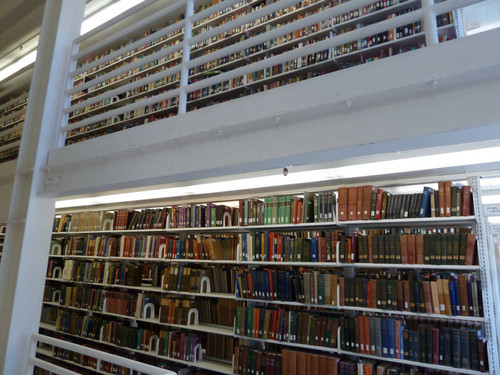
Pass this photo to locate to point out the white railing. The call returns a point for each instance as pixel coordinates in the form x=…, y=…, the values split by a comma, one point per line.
x=99, y=356
x=11, y=126
x=184, y=55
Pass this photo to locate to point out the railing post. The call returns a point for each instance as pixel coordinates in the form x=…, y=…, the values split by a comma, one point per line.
x=429, y=23
x=186, y=51
x=29, y=226
x=61, y=135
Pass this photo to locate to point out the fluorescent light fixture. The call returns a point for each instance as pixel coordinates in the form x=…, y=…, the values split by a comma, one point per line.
x=450, y=159
x=106, y=14
x=18, y=65
x=89, y=24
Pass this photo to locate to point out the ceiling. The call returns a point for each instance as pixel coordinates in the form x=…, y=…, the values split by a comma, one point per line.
x=20, y=23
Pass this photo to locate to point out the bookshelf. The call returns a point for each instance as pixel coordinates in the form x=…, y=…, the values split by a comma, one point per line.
x=12, y=112
x=75, y=252
x=234, y=41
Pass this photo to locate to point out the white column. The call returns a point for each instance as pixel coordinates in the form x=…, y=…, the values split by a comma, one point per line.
x=186, y=52
x=29, y=226
x=429, y=23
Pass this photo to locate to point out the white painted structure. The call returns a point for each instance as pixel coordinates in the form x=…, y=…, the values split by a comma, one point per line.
x=441, y=97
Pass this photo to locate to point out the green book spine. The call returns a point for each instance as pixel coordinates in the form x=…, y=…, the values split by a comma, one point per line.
x=428, y=257
x=463, y=246
x=456, y=249
x=321, y=289
x=436, y=245
x=375, y=248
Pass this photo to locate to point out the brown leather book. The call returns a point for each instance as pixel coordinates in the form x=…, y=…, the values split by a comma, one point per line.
x=470, y=249
x=267, y=322
x=435, y=297
x=447, y=198
x=301, y=363
x=352, y=200
x=404, y=248
x=342, y=203
x=406, y=295
x=447, y=301
x=309, y=369
x=463, y=297
x=400, y=295
x=442, y=203
x=333, y=289
x=359, y=204
x=284, y=360
x=314, y=363
x=332, y=364
x=367, y=201
x=373, y=302
x=427, y=296
x=411, y=243
x=442, y=308
x=322, y=365
x=419, y=249
x=292, y=363
x=366, y=335
x=465, y=201
x=483, y=354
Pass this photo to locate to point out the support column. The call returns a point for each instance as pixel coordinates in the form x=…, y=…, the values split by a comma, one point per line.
x=186, y=56
x=429, y=23
x=29, y=226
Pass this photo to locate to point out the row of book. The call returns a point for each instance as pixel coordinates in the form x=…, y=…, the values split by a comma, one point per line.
x=150, y=246
x=171, y=344
x=371, y=203
x=437, y=293
x=355, y=203
x=444, y=293
x=143, y=305
x=460, y=345
x=189, y=279
x=293, y=326
x=451, y=247
x=288, y=209
x=249, y=360
x=293, y=247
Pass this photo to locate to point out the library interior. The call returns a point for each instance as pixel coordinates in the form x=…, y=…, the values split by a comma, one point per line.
x=249, y=187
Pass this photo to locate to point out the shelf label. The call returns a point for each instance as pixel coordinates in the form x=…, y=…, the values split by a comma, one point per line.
x=491, y=210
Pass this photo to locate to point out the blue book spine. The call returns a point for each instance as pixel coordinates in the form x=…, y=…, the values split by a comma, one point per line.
x=314, y=249
x=451, y=287
x=425, y=205
x=441, y=347
x=457, y=298
x=243, y=250
x=179, y=249
x=385, y=337
x=402, y=348
x=392, y=338
x=287, y=296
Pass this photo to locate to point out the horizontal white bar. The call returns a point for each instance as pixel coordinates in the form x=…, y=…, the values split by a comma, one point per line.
x=126, y=68
x=129, y=47
x=132, y=85
x=122, y=110
x=248, y=18
x=119, y=360
x=11, y=130
x=212, y=10
x=14, y=100
x=10, y=145
x=49, y=366
x=113, y=21
x=12, y=115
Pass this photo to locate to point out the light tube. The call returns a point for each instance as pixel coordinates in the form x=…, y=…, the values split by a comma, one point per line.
x=409, y=164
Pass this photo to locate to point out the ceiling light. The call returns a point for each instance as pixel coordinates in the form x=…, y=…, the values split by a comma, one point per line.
x=18, y=65
x=400, y=165
x=106, y=14
x=88, y=24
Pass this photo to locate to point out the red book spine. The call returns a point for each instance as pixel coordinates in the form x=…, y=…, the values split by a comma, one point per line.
x=435, y=346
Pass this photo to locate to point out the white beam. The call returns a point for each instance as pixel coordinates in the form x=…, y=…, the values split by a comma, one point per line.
x=24, y=260
x=371, y=108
